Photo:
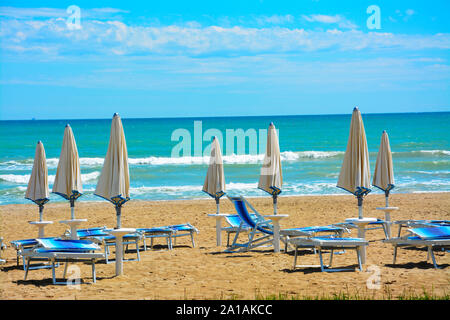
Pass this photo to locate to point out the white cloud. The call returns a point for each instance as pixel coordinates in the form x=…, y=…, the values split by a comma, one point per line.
x=36, y=13
x=322, y=18
x=341, y=21
x=275, y=19
x=115, y=37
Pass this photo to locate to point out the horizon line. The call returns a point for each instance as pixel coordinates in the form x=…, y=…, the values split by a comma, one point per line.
x=227, y=116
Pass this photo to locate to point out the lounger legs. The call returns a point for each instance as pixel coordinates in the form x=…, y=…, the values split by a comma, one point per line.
x=429, y=253
x=323, y=267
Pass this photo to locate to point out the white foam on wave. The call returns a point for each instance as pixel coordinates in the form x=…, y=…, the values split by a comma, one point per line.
x=438, y=152
x=52, y=163
x=24, y=178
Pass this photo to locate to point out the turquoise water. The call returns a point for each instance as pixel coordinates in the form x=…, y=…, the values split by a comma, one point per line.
x=312, y=149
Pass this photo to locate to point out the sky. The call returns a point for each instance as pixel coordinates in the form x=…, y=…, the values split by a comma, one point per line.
x=144, y=59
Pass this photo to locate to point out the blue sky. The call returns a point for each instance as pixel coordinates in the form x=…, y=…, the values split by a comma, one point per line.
x=218, y=58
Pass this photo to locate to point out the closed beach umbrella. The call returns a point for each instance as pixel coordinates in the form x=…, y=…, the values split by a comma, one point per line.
x=68, y=175
x=271, y=178
x=114, y=181
x=354, y=176
x=383, y=176
x=37, y=190
x=215, y=179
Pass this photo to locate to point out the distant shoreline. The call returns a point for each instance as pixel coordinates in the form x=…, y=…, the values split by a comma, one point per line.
x=62, y=201
x=229, y=116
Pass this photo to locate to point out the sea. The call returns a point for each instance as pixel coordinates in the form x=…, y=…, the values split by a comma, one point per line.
x=169, y=157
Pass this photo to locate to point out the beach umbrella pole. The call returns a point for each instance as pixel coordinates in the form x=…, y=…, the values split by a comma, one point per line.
x=386, y=193
x=275, y=198
x=217, y=205
x=360, y=203
x=41, y=212
x=118, y=213
x=72, y=209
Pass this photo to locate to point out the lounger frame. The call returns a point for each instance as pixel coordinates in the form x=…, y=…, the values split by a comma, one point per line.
x=331, y=244
x=66, y=257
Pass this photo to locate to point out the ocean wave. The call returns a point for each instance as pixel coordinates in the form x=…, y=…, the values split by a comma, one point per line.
x=419, y=153
x=24, y=178
x=437, y=152
x=52, y=163
x=286, y=156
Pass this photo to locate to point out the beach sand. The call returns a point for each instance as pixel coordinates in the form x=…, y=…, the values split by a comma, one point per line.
x=206, y=272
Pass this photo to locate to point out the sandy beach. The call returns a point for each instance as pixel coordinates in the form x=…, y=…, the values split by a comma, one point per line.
x=206, y=272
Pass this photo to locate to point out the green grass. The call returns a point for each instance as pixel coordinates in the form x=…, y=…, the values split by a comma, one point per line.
x=346, y=295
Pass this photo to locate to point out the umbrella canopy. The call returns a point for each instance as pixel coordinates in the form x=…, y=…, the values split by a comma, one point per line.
x=215, y=179
x=271, y=178
x=354, y=176
x=114, y=181
x=383, y=176
x=37, y=190
x=68, y=174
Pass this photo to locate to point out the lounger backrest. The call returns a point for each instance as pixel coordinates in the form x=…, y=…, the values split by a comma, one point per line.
x=432, y=232
x=242, y=211
x=246, y=217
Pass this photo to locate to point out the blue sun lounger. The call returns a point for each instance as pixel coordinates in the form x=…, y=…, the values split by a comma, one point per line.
x=157, y=232
x=379, y=224
x=101, y=236
x=255, y=223
x=328, y=243
x=58, y=250
x=420, y=224
x=184, y=229
x=2, y=247
x=430, y=237
x=234, y=226
x=170, y=232
x=24, y=245
x=287, y=234
x=90, y=232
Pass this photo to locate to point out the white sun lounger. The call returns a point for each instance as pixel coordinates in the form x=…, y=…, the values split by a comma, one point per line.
x=328, y=243
x=429, y=237
x=57, y=250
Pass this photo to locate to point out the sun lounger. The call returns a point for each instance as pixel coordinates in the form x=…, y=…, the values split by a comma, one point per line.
x=256, y=224
x=234, y=223
x=88, y=232
x=312, y=231
x=170, y=232
x=328, y=243
x=181, y=230
x=158, y=232
x=420, y=224
x=58, y=250
x=379, y=224
x=2, y=247
x=430, y=237
x=24, y=245
x=107, y=240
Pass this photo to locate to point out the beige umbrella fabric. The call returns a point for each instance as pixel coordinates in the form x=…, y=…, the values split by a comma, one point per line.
x=354, y=176
x=214, y=184
x=68, y=174
x=37, y=190
x=271, y=177
x=114, y=181
x=383, y=176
